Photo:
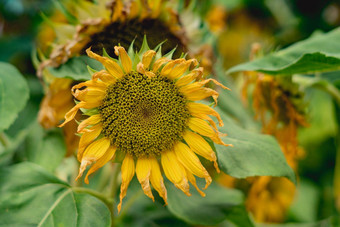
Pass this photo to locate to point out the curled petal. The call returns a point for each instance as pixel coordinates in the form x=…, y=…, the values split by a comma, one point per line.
x=192, y=180
x=181, y=68
x=93, y=120
x=124, y=57
x=175, y=171
x=159, y=63
x=169, y=66
x=104, y=76
x=112, y=67
x=128, y=170
x=142, y=70
x=191, y=162
x=147, y=58
x=72, y=113
x=143, y=171
x=201, y=93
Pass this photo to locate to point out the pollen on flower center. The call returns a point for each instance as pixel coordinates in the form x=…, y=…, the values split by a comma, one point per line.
x=144, y=116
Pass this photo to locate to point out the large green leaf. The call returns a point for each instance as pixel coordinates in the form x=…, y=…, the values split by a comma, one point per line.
x=252, y=154
x=32, y=197
x=219, y=204
x=319, y=53
x=76, y=68
x=13, y=94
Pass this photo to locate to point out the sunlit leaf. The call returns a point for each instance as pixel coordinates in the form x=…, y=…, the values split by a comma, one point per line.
x=319, y=53
x=252, y=154
x=13, y=94
x=32, y=197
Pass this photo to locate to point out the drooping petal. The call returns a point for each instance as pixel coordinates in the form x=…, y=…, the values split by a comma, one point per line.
x=128, y=170
x=124, y=57
x=93, y=120
x=72, y=113
x=157, y=179
x=143, y=171
x=200, y=147
x=174, y=171
x=112, y=67
x=93, y=152
x=192, y=180
x=201, y=93
x=101, y=162
x=191, y=162
x=159, y=63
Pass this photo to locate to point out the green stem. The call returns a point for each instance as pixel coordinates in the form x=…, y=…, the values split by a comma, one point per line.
x=130, y=202
x=100, y=196
x=337, y=177
x=4, y=140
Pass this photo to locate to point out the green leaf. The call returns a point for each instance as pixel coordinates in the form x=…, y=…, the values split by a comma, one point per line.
x=252, y=154
x=76, y=68
x=319, y=53
x=13, y=94
x=219, y=204
x=32, y=197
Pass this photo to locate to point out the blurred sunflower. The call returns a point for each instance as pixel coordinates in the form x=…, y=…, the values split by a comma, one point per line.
x=142, y=105
x=104, y=24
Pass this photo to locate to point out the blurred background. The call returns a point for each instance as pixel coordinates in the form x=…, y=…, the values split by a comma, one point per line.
x=237, y=25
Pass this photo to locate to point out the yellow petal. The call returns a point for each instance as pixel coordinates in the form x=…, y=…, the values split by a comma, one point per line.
x=169, y=66
x=157, y=179
x=202, y=127
x=88, y=95
x=159, y=63
x=104, y=76
x=199, y=108
x=147, y=58
x=185, y=80
x=191, y=162
x=124, y=57
x=143, y=171
x=142, y=70
x=181, y=68
x=128, y=170
x=93, y=120
x=101, y=162
x=192, y=180
x=87, y=138
x=93, y=152
x=201, y=93
x=174, y=171
x=72, y=113
x=112, y=67
x=200, y=147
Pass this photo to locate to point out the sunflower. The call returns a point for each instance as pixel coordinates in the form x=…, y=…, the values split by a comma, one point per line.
x=143, y=106
x=103, y=24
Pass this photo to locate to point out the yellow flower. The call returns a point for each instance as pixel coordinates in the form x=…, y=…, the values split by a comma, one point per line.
x=143, y=106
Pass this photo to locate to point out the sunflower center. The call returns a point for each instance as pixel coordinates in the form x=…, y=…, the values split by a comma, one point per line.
x=143, y=116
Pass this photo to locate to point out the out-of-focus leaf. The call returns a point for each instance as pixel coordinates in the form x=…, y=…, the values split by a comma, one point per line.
x=305, y=206
x=319, y=53
x=48, y=151
x=252, y=154
x=32, y=197
x=218, y=205
x=76, y=68
x=13, y=94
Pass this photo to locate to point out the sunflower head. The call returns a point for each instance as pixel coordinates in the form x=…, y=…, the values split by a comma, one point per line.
x=143, y=106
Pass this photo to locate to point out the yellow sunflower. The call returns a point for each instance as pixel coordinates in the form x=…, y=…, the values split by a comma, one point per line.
x=143, y=106
x=103, y=24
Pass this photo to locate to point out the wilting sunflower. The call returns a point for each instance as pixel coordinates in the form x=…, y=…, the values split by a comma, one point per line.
x=104, y=24
x=142, y=105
